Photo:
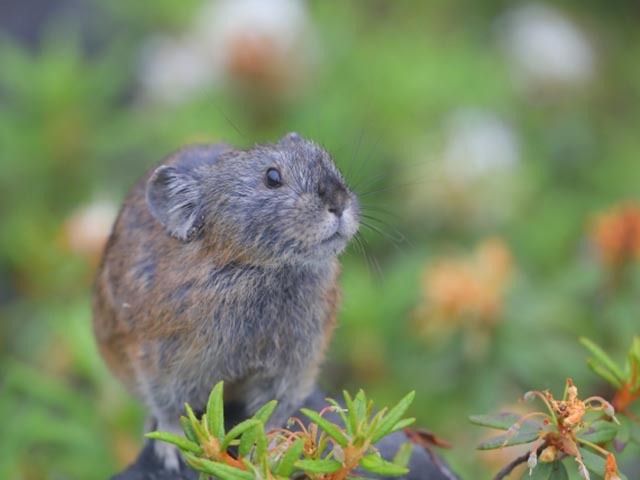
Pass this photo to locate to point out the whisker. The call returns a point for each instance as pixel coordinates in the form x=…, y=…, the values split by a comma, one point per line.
x=359, y=178
x=390, y=188
x=355, y=155
x=396, y=240
x=372, y=261
x=377, y=178
x=228, y=120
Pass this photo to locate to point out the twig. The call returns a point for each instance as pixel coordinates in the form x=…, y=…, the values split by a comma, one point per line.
x=509, y=468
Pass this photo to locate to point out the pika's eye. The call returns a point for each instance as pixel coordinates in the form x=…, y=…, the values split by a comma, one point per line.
x=272, y=178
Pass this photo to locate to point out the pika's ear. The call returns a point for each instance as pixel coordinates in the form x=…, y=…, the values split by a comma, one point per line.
x=174, y=200
x=290, y=138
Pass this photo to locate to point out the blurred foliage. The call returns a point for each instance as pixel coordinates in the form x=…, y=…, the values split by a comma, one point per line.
x=385, y=95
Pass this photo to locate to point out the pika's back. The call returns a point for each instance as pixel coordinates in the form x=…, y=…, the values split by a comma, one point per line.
x=142, y=262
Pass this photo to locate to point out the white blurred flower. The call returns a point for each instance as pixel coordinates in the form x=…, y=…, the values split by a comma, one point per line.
x=172, y=70
x=546, y=47
x=267, y=46
x=478, y=144
x=473, y=180
x=87, y=229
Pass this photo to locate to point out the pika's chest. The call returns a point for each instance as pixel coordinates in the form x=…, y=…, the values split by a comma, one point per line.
x=265, y=312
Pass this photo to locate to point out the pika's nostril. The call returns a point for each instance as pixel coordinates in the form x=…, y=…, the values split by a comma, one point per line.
x=336, y=210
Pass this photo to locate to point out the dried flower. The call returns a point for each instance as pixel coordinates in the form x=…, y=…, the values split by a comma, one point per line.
x=563, y=428
x=549, y=454
x=611, y=469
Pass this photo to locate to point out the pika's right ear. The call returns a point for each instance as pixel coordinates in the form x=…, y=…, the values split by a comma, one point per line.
x=174, y=200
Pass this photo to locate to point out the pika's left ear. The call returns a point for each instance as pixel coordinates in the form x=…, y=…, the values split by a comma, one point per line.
x=174, y=199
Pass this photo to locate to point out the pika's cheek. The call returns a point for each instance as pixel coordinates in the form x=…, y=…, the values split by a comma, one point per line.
x=350, y=222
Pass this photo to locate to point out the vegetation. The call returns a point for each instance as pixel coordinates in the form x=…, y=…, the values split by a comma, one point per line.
x=501, y=201
x=322, y=450
x=574, y=428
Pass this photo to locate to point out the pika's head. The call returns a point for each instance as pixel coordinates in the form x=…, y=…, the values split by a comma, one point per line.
x=283, y=202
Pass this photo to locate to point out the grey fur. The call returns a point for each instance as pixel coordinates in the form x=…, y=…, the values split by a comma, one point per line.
x=211, y=275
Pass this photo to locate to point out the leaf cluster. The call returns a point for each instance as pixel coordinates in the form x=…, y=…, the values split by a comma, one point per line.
x=320, y=450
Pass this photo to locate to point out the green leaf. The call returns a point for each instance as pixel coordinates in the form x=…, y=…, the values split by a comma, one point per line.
x=624, y=433
x=602, y=372
x=352, y=425
x=592, y=461
x=527, y=434
x=634, y=433
x=634, y=362
x=340, y=410
x=220, y=470
x=499, y=421
x=376, y=464
x=180, y=442
x=393, y=417
x=261, y=442
x=238, y=430
x=195, y=424
x=547, y=471
x=332, y=429
x=264, y=413
x=603, y=358
x=215, y=411
x=189, y=432
x=404, y=423
x=318, y=466
x=360, y=406
x=541, y=472
x=634, y=352
x=372, y=426
x=247, y=441
x=289, y=459
x=403, y=455
x=559, y=471
x=600, y=431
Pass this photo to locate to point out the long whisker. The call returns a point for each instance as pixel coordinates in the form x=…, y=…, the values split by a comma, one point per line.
x=383, y=223
x=228, y=120
x=376, y=179
x=390, y=188
x=359, y=178
x=393, y=239
x=372, y=261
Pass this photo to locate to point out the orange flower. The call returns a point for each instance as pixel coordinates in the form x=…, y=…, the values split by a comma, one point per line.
x=616, y=234
x=459, y=290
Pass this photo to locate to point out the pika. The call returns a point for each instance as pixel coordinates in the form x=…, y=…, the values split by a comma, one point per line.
x=222, y=265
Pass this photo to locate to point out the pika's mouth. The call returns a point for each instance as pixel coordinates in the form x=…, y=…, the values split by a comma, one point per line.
x=335, y=236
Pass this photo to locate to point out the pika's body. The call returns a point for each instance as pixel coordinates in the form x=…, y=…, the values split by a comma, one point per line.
x=222, y=265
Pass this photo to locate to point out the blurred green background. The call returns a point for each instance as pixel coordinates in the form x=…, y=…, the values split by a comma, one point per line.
x=494, y=145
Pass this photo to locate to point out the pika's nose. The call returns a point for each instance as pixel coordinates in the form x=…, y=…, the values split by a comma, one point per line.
x=334, y=195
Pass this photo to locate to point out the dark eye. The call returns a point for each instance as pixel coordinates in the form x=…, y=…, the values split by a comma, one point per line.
x=273, y=179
